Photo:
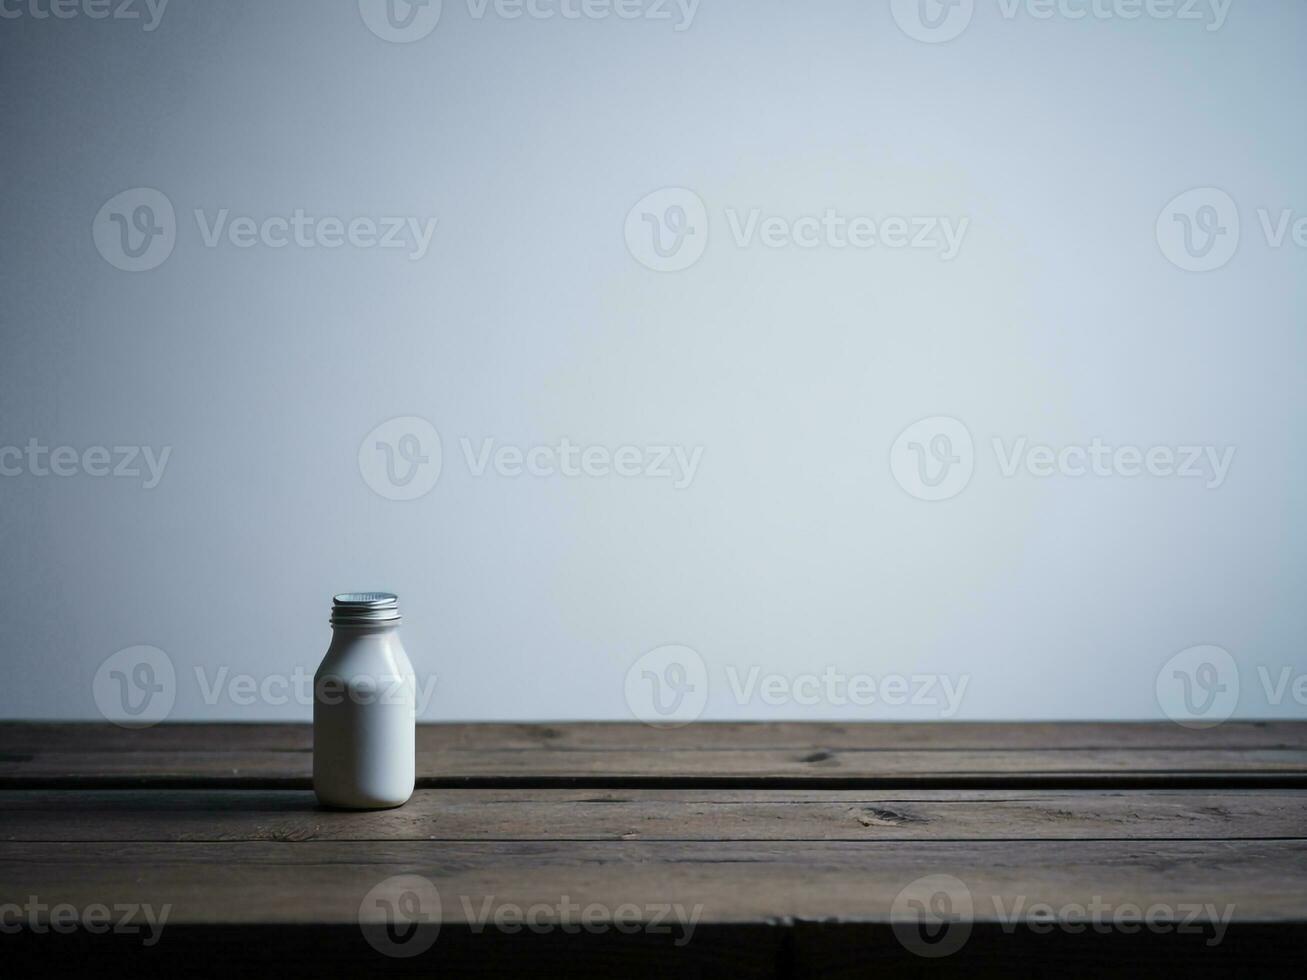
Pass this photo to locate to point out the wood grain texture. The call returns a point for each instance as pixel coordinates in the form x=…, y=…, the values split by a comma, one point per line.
x=1266, y=754
x=617, y=736
x=702, y=815
x=733, y=882
x=791, y=841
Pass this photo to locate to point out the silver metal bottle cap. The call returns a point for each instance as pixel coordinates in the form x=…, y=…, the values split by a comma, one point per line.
x=364, y=609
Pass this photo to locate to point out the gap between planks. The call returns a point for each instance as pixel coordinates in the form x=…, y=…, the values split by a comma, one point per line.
x=1100, y=782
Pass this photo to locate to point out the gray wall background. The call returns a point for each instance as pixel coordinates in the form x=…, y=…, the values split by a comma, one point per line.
x=795, y=549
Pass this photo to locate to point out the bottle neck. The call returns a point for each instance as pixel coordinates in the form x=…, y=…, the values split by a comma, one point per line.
x=346, y=630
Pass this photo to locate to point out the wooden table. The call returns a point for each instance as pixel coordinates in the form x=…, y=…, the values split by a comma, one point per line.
x=775, y=849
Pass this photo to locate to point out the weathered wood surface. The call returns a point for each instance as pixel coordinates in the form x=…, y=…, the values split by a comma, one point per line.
x=625, y=736
x=731, y=881
x=1272, y=753
x=655, y=815
x=792, y=840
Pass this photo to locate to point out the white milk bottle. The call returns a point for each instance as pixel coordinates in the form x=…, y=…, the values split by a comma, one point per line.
x=363, y=708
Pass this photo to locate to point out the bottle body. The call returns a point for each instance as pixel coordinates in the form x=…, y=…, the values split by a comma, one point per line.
x=364, y=718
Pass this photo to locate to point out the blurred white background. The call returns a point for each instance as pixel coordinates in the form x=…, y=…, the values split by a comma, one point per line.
x=782, y=361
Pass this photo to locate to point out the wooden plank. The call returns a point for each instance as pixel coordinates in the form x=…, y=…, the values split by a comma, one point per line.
x=1269, y=754
x=739, y=815
x=727, y=882
x=790, y=881
x=28, y=737
x=828, y=768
